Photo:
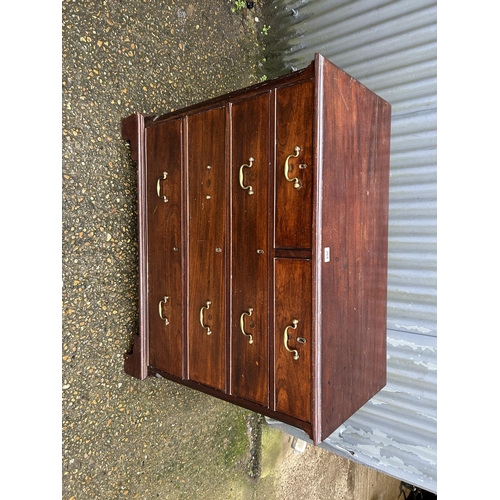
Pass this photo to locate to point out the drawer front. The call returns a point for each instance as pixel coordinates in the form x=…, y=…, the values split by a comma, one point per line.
x=250, y=141
x=163, y=167
x=294, y=165
x=293, y=342
x=206, y=173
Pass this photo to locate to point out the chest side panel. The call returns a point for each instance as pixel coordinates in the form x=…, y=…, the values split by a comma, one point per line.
x=354, y=228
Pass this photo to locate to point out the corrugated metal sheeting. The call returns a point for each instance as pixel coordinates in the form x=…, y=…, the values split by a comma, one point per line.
x=390, y=46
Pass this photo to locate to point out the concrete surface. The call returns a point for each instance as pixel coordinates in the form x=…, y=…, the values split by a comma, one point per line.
x=121, y=437
x=317, y=474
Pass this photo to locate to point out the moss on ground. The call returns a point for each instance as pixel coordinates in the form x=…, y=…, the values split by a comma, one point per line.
x=272, y=450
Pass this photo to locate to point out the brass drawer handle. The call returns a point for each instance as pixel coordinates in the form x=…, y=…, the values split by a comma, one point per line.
x=160, y=309
x=285, y=339
x=242, y=324
x=158, y=187
x=250, y=163
x=207, y=328
x=295, y=180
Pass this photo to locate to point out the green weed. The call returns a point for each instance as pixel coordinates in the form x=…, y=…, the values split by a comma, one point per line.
x=239, y=5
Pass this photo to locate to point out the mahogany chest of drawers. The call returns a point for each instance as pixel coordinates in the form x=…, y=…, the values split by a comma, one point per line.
x=263, y=246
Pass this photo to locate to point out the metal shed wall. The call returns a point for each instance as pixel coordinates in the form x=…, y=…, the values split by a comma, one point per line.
x=390, y=46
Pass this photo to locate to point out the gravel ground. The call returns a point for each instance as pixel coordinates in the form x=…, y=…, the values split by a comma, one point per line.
x=123, y=438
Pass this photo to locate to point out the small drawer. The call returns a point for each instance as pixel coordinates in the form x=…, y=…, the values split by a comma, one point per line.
x=293, y=342
x=294, y=165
